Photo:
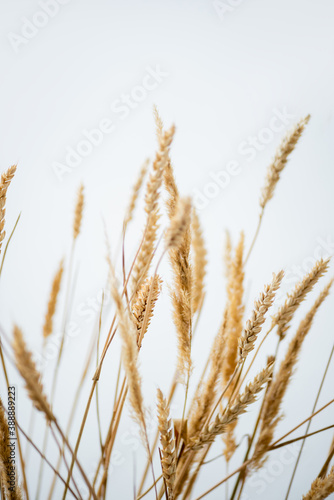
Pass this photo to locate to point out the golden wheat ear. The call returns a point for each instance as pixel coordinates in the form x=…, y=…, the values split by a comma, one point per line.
x=321, y=487
x=51, y=309
x=280, y=160
x=27, y=368
x=78, y=212
x=6, y=179
x=168, y=445
x=285, y=313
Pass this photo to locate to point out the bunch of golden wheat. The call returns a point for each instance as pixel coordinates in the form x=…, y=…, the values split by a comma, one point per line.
x=224, y=391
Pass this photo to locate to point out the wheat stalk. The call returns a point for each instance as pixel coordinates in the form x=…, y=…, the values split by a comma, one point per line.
x=78, y=212
x=285, y=313
x=6, y=179
x=242, y=401
x=179, y=224
x=235, y=314
x=27, y=368
x=204, y=400
x=168, y=448
x=51, y=309
x=143, y=307
x=271, y=412
x=144, y=256
x=280, y=160
x=321, y=488
x=135, y=192
x=199, y=260
x=258, y=317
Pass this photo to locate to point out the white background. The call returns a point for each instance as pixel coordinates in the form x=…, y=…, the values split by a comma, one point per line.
x=225, y=76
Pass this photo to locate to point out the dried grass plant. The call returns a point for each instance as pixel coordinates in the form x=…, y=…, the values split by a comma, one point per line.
x=226, y=389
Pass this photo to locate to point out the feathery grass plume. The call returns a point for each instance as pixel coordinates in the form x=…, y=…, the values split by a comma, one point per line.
x=321, y=488
x=285, y=313
x=6, y=179
x=158, y=122
x=242, y=401
x=280, y=160
x=144, y=256
x=182, y=271
x=48, y=323
x=271, y=412
x=235, y=291
x=135, y=192
x=179, y=224
x=168, y=448
x=27, y=368
x=199, y=262
x=258, y=317
x=204, y=399
x=128, y=332
x=229, y=441
x=78, y=212
x=143, y=307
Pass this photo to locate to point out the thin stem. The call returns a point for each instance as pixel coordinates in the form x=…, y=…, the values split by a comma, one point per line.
x=44, y=458
x=245, y=464
x=79, y=440
x=56, y=371
x=305, y=436
x=8, y=241
x=255, y=236
x=97, y=388
x=309, y=422
x=304, y=421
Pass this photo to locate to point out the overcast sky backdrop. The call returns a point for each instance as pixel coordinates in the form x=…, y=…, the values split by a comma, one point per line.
x=78, y=82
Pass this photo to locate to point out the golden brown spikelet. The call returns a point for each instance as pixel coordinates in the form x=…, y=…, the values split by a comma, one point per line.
x=179, y=224
x=167, y=440
x=158, y=122
x=128, y=334
x=205, y=398
x=78, y=212
x=27, y=368
x=242, y=401
x=5, y=181
x=280, y=160
x=285, y=313
x=235, y=291
x=271, y=411
x=199, y=260
x=145, y=254
x=182, y=271
x=156, y=176
x=229, y=441
x=321, y=488
x=135, y=192
x=227, y=254
x=48, y=323
x=258, y=317
x=143, y=308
